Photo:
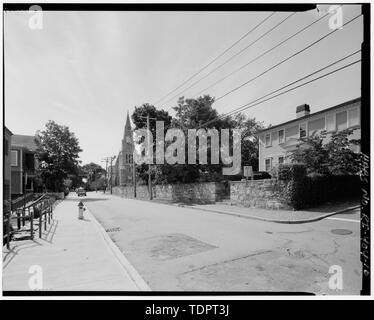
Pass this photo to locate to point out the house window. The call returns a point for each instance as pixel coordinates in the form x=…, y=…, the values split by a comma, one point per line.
x=267, y=140
x=281, y=136
x=341, y=121
x=14, y=155
x=330, y=123
x=268, y=164
x=353, y=118
x=281, y=160
x=302, y=130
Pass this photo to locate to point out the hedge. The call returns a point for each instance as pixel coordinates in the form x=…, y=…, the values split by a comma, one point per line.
x=301, y=190
x=296, y=187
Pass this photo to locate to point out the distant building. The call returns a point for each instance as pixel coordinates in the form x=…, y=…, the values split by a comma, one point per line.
x=23, y=164
x=124, y=163
x=275, y=142
x=7, y=168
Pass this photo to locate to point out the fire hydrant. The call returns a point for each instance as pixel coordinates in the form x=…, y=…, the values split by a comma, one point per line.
x=81, y=210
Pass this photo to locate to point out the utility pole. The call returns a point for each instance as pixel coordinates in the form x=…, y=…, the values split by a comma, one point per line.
x=106, y=171
x=149, y=165
x=150, y=143
x=111, y=173
x=134, y=176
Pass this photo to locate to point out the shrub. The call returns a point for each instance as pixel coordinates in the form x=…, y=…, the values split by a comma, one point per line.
x=291, y=171
x=296, y=186
x=303, y=190
x=318, y=188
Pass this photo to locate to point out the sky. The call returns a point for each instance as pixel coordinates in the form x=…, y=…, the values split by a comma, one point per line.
x=86, y=70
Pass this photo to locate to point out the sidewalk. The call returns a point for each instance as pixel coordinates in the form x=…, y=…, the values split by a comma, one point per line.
x=279, y=216
x=74, y=255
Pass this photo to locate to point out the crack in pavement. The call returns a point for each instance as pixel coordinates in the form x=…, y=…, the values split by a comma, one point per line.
x=228, y=261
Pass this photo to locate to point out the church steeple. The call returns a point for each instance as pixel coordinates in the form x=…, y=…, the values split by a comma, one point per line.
x=126, y=161
x=128, y=123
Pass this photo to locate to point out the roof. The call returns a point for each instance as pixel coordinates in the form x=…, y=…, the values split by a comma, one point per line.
x=23, y=141
x=7, y=131
x=128, y=123
x=310, y=115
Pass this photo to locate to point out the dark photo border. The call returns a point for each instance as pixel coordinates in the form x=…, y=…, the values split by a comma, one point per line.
x=365, y=243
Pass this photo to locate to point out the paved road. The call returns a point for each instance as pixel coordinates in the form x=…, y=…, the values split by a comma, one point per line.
x=177, y=248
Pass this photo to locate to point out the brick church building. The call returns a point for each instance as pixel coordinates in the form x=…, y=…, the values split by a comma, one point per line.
x=123, y=171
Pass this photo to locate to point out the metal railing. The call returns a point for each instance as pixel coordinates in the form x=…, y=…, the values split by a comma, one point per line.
x=41, y=210
x=22, y=201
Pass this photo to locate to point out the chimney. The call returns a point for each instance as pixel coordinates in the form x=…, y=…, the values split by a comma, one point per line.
x=302, y=110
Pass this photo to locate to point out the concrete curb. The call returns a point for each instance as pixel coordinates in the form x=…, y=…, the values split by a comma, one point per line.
x=127, y=266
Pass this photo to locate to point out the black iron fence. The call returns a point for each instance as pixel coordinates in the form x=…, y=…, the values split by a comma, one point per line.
x=28, y=216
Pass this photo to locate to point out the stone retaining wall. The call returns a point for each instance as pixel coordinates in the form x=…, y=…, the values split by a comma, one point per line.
x=206, y=192
x=258, y=193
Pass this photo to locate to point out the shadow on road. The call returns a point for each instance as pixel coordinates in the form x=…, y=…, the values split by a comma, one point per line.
x=335, y=206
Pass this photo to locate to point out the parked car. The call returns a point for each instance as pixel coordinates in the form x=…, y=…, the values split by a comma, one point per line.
x=81, y=192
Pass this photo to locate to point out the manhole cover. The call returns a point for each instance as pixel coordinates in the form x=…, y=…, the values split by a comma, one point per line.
x=341, y=231
x=113, y=229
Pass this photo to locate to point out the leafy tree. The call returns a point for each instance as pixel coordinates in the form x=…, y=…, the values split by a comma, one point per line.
x=311, y=151
x=93, y=172
x=192, y=113
x=68, y=183
x=99, y=183
x=334, y=157
x=58, y=152
x=139, y=118
x=341, y=158
x=249, y=141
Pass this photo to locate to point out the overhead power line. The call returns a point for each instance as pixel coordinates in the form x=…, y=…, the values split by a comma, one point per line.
x=260, y=100
x=217, y=57
x=285, y=60
x=251, y=104
x=271, y=49
x=299, y=86
x=232, y=57
x=312, y=74
x=263, y=54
